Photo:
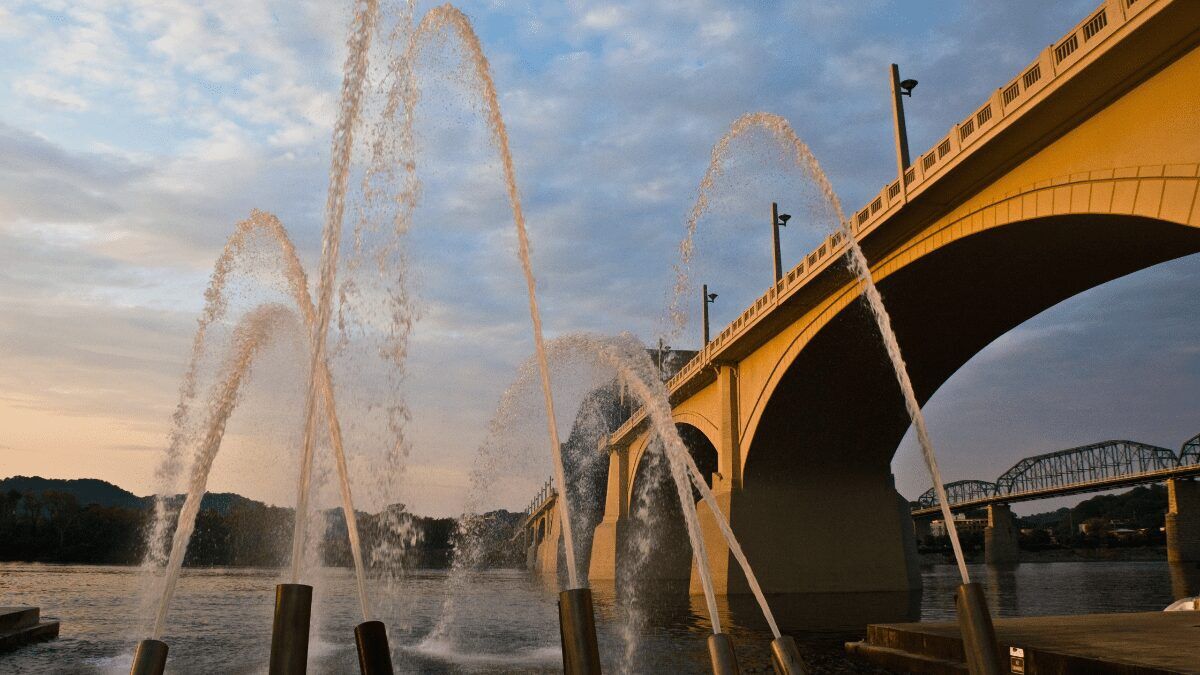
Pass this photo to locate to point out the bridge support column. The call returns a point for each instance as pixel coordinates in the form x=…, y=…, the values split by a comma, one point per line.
x=546, y=560
x=1000, y=537
x=726, y=486
x=608, y=534
x=1183, y=520
x=923, y=527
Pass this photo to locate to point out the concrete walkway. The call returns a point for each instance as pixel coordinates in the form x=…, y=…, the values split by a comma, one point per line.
x=1147, y=643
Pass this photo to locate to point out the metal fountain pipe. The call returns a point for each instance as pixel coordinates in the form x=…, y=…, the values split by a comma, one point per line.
x=577, y=628
x=978, y=635
x=374, y=655
x=720, y=650
x=150, y=658
x=785, y=657
x=289, y=633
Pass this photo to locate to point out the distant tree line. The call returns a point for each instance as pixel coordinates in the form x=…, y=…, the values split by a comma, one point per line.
x=53, y=526
x=1130, y=519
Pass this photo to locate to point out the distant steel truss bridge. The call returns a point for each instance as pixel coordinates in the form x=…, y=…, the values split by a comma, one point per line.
x=1089, y=468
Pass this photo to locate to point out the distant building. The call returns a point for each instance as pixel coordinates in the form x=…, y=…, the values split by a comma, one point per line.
x=961, y=523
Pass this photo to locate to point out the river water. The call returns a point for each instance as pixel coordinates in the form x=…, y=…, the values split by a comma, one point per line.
x=506, y=622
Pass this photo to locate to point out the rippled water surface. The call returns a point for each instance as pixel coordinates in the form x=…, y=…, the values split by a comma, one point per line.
x=506, y=622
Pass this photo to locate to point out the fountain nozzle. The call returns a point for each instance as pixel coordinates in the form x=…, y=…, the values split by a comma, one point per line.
x=289, y=633
x=720, y=650
x=374, y=655
x=150, y=658
x=785, y=657
x=577, y=627
x=978, y=634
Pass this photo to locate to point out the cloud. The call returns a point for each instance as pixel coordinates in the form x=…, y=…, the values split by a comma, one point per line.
x=57, y=97
x=138, y=132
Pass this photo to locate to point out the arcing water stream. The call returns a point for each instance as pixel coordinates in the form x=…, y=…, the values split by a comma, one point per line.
x=247, y=341
x=781, y=131
x=625, y=356
x=250, y=336
x=354, y=73
x=437, y=20
x=319, y=398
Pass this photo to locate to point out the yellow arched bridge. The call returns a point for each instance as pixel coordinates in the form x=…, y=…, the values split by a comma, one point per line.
x=1081, y=169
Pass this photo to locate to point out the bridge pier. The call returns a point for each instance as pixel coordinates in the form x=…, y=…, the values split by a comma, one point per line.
x=836, y=532
x=1000, y=536
x=1183, y=520
x=545, y=536
x=609, y=533
x=923, y=527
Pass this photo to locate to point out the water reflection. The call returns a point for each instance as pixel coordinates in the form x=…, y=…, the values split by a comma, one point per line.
x=1048, y=589
x=506, y=620
x=1000, y=589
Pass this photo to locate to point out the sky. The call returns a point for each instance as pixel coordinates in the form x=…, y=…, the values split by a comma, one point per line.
x=134, y=134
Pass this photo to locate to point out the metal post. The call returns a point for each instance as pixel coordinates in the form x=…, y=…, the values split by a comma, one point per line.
x=978, y=634
x=577, y=628
x=289, y=634
x=901, y=130
x=374, y=655
x=704, y=298
x=775, y=241
x=150, y=658
x=785, y=657
x=720, y=649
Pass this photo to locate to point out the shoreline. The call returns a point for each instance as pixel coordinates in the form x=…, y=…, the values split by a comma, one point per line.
x=1132, y=554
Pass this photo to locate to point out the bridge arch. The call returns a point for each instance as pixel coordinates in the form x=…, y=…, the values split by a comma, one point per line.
x=657, y=517
x=969, y=279
x=696, y=430
x=810, y=450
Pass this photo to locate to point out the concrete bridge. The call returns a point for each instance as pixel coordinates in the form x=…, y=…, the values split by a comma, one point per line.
x=540, y=532
x=1081, y=169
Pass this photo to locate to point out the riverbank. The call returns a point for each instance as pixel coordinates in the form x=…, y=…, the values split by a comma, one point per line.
x=1129, y=554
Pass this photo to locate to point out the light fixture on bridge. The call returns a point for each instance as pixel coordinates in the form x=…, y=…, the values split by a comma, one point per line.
x=777, y=220
x=708, y=299
x=907, y=86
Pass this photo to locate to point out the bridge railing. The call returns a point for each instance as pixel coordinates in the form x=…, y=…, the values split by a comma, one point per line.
x=544, y=494
x=1054, y=63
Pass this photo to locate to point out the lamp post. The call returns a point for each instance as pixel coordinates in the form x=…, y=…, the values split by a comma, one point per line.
x=778, y=220
x=708, y=299
x=900, y=88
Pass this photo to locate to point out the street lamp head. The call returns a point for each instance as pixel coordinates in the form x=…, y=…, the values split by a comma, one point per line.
x=783, y=218
x=712, y=296
x=907, y=86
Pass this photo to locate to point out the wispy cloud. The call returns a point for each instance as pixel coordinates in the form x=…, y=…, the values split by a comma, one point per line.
x=135, y=133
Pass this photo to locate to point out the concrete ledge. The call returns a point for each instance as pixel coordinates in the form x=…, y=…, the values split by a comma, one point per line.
x=1144, y=643
x=23, y=625
x=905, y=662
